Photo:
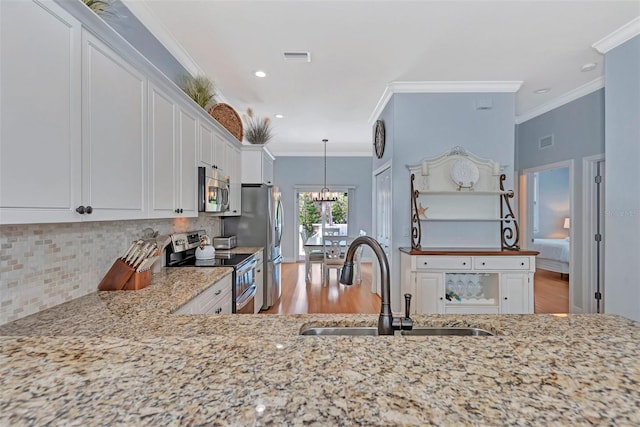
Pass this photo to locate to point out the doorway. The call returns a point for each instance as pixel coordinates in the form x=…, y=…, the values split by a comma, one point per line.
x=314, y=217
x=548, y=223
x=382, y=209
x=593, y=209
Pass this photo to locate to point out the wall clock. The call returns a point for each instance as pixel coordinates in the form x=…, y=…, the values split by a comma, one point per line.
x=378, y=138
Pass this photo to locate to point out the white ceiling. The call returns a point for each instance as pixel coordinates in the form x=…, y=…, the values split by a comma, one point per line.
x=358, y=47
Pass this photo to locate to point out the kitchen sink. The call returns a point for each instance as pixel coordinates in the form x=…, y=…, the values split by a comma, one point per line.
x=423, y=331
x=341, y=330
x=373, y=331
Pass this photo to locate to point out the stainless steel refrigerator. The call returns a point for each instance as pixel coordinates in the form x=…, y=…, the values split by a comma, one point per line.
x=261, y=225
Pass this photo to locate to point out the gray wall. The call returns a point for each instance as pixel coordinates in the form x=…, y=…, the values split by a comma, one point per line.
x=132, y=30
x=290, y=172
x=427, y=125
x=578, y=131
x=622, y=196
x=553, y=203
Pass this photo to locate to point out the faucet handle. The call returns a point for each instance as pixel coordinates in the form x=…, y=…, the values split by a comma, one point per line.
x=407, y=305
x=407, y=323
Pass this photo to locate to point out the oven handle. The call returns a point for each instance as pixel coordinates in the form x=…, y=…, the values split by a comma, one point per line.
x=247, y=266
x=246, y=297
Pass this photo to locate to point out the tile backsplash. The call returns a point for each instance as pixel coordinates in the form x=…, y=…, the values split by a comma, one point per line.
x=42, y=265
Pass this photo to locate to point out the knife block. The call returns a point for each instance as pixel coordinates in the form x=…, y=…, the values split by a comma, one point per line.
x=117, y=277
x=138, y=281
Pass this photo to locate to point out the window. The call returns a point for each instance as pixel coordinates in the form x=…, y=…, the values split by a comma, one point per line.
x=313, y=217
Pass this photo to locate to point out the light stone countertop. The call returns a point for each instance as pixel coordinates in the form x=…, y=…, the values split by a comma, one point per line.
x=122, y=358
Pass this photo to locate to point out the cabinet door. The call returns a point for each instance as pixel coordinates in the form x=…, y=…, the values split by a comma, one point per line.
x=206, y=144
x=113, y=129
x=188, y=172
x=516, y=294
x=219, y=153
x=267, y=169
x=40, y=105
x=234, y=170
x=429, y=293
x=251, y=166
x=162, y=144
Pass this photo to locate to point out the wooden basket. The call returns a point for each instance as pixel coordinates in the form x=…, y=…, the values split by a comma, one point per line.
x=227, y=117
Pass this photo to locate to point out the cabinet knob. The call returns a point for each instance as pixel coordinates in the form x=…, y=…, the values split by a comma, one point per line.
x=464, y=263
x=441, y=298
x=505, y=298
x=484, y=263
x=88, y=210
x=181, y=210
x=258, y=271
x=522, y=263
x=218, y=310
x=425, y=263
x=219, y=291
x=81, y=210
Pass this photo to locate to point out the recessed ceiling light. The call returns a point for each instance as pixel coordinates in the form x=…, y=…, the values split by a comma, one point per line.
x=279, y=116
x=260, y=73
x=543, y=90
x=588, y=67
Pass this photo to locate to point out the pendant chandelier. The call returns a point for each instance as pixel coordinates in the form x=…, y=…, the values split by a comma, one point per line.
x=325, y=195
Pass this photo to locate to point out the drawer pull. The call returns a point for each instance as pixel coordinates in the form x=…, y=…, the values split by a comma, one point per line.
x=484, y=263
x=522, y=263
x=218, y=292
x=425, y=263
x=464, y=263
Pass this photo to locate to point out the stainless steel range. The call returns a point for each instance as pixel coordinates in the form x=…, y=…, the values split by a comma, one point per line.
x=181, y=253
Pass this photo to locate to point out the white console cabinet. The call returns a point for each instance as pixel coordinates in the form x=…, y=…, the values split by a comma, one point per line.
x=469, y=282
x=214, y=300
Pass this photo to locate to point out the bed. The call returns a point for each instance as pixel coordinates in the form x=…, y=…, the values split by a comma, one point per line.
x=554, y=254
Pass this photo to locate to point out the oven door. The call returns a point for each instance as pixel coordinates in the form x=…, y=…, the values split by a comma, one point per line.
x=245, y=302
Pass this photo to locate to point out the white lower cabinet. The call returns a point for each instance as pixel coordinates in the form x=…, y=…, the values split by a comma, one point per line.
x=216, y=299
x=469, y=284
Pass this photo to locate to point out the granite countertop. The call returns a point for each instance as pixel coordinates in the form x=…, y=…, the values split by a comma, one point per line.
x=122, y=358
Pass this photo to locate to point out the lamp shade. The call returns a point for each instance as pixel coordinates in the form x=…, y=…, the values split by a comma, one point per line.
x=567, y=223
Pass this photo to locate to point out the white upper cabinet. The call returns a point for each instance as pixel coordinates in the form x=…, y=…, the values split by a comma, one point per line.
x=113, y=134
x=188, y=170
x=40, y=137
x=173, y=133
x=233, y=168
x=257, y=165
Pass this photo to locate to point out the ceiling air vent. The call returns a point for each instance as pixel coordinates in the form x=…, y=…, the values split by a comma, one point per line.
x=545, y=142
x=297, y=56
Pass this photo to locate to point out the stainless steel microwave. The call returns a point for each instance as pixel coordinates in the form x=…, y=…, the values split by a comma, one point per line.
x=213, y=191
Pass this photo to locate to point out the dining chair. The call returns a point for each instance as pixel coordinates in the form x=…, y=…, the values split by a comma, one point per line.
x=331, y=231
x=335, y=252
x=310, y=256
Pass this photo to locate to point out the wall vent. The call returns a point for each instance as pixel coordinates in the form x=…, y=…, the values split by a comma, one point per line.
x=297, y=56
x=545, y=142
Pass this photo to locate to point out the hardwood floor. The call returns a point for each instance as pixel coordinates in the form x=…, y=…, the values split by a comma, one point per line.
x=550, y=292
x=299, y=297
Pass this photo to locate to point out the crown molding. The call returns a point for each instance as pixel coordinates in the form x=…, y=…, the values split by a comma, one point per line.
x=572, y=95
x=619, y=36
x=441, y=87
x=144, y=14
x=316, y=154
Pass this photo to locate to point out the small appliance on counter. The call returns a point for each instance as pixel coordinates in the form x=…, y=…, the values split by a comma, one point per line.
x=225, y=242
x=205, y=250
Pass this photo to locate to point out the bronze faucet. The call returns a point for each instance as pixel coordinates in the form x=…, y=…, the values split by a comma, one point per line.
x=386, y=322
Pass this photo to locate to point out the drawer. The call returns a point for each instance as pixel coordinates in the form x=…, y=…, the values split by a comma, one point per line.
x=425, y=262
x=203, y=302
x=501, y=263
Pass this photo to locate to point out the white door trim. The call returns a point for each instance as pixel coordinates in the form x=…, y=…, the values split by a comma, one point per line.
x=528, y=232
x=589, y=169
x=375, y=280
